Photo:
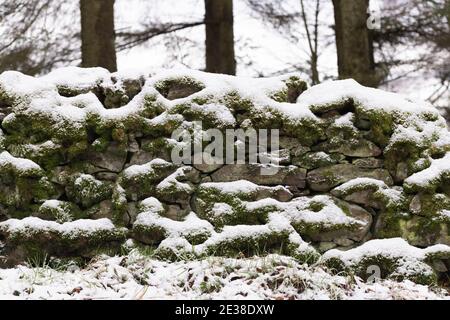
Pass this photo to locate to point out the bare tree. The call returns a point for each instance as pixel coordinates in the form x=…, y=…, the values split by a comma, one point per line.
x=285, y=20
x=353, y=42
x=313, y=40
x=32, y=38
x=97, y=34
x=219, y=37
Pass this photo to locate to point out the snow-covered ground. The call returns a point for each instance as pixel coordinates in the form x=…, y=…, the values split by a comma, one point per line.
x=138, y=276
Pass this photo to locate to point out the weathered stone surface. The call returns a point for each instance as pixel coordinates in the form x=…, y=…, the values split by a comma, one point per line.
x=418, y=231
x=112, y=159
x=363, y=197
x=209, y=163
x=141, y=157
x=369, y=163
x=361, y=149
x=283, y=175
x=313, y=160
x=173, y=89
x=323, y=179
x=346, y=236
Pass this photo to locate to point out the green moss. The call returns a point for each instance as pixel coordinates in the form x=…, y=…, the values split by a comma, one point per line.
x=431, y=205
x=207, y=197
x=48, y=155
x=190, y=85
x=250, y=245
x=236, y=103
x=149, y=234
x=313, y=160
x=100, y=144
x=86, y=190
x=381, y=124
x=60, y=211
x=308, y=131
x=120, y=204
x=294, y=88
x=418, y=231
x=143, y=185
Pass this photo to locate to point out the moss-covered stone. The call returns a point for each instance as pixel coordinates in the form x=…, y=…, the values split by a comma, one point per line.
x=86, y=190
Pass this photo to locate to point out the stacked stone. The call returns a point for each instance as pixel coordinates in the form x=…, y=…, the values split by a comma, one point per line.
x=85, y=164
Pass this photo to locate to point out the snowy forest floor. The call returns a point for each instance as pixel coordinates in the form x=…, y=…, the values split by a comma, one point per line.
x=137, y=276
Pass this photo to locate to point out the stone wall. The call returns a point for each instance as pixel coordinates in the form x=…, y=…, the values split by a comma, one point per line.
x=85, y=166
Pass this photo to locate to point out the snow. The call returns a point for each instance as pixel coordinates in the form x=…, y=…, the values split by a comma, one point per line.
x=297, y=210
x=172, y=181
x=29, y=225
x=218, y=111
x=390, y=193
x=140, y=277
x=152, y=204
x=145, y=169
x=345, y=121
x=22, y=166
x=438, y=168
x=191, y=223
x=232, y=188
x=221, y=209
x=396, y=248
x=369, y=98
x=79, y=78
x=14, y=83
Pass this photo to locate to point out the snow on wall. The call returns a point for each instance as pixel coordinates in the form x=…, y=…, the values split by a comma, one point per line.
x=86, y=164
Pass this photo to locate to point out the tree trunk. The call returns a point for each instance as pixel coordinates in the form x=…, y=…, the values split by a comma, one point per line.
x=219, y=36
x=353, y=42
x=97, y=34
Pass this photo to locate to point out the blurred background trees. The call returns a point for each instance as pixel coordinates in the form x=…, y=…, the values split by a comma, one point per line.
x=98, y=47
x=323, y=39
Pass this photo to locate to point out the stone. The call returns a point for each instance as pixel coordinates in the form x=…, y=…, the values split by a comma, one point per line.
x=325, y=246
x=344, y=242
x=292, y=144
x=361, y=149
x=178, y=88
x=60, y=167
x=313, y=160
x=175, y=212
x=103, y=210
x=279, y=157
x=140, y=157
x=347, y=236
x=133, y=145
x=401, y=173
x=325, y=178
x=283, y=175
x=86, y=190
x=363, y=197
x=417, y=230
x=429, y=205
x=109, y=176
x=209, y=163
x=369, y=163
x=112, y=159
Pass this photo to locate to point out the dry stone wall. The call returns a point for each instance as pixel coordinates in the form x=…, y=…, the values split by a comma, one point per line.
x=86, y=167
